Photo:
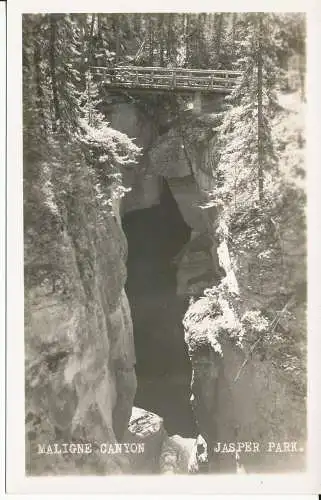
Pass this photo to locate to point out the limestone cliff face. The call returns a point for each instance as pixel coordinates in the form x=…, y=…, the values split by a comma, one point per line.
x=239, y=398
x=176, y=157
x=240, y=394
x=236, y=396
x=144, y=187
x=80, y=378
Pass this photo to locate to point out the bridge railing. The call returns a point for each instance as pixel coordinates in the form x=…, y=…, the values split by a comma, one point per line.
x=168, y=78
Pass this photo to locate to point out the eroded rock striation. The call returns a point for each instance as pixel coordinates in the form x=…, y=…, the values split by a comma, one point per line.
x=80, y=355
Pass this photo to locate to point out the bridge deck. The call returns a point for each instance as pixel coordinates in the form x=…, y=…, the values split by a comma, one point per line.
x=168, y=79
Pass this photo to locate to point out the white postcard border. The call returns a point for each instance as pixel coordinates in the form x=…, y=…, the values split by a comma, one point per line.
x=17, y=482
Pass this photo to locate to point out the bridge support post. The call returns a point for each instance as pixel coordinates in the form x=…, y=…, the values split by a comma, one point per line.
x=197, y=102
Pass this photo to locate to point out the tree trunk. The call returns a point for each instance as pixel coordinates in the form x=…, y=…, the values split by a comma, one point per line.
x=151, y=41
x=91, y=42
x=90, y=59
x=199, y=51
x=218, y=35
x=39, y=91
x=116, y=29
x=169, y=39
x=84, y=41
x=161, y=39
x=260, y=125
x=234, y=19
x=52, y=62
x=187, y=38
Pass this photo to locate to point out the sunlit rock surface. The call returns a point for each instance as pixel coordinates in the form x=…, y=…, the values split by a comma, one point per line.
x=238, y=397
x=146, y=430
x=197, y=266
x=144, y=191
x=176, y=454
x=189, y=199
x=168, y=156
x=80, y=378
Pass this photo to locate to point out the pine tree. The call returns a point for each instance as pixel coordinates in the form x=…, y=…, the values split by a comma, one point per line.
x=61, y=106
x=247, y=157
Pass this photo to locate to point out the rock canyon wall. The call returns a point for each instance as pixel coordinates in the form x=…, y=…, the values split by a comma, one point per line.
x=80, y=354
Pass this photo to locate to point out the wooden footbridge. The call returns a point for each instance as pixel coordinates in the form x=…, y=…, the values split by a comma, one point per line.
x=168, y=79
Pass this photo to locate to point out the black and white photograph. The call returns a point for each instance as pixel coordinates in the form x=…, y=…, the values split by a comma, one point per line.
x=164, y=243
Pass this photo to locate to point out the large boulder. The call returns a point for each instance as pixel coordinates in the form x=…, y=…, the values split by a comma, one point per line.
x=147, y=435
x=176, y=454
x=238, y=396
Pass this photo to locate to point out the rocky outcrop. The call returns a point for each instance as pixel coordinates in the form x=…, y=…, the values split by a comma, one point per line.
x=198, y=266
x=80, y=377
x=176, y=455
x=237, y=397
x=146, y=430
x=179, y=156
x=238, y=394
x=250, y=386
x=167, y=156
x=144, y=187
x=153, y=450
x=189, y=199
x=144, y=190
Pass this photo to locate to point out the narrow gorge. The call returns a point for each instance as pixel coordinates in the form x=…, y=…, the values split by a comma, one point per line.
x=163, y=306
x=134, y=275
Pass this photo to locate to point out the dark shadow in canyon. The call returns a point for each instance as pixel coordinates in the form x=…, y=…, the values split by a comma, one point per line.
x=155, y=235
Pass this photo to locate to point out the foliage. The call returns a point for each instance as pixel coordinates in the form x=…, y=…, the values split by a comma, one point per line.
x=61, y=103
x=260, y=197
x=211, y=319
x=247, y=158
x=71, y=153
x=65, y=137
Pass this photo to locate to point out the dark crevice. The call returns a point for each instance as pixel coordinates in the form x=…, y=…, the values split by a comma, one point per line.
x=155, y=235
